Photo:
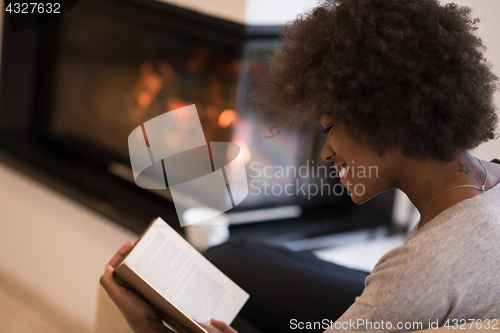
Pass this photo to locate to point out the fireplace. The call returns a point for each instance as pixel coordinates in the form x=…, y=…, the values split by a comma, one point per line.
x=74, y=88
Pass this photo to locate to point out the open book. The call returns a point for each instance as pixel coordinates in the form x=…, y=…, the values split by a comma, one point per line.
x=178, y=281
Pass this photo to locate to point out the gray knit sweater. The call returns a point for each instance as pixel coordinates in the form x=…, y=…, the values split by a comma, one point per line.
x=446, y=272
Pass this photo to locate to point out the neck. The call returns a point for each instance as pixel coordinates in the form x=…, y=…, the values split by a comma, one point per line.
x=429, y=179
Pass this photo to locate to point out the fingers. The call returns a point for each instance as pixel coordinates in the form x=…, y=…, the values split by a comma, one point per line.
x=107, y=282
x=207, y=328
x=114, y=290
x=120, y=254
x=125, y=299
x=138, y=313
x=217, y=327
x=222, y=326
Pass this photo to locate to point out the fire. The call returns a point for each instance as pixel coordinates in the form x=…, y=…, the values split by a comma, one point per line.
x=212, y=111
x=227, y=117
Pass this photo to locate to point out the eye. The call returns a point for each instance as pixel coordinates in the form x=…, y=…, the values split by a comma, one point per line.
x=327, y=130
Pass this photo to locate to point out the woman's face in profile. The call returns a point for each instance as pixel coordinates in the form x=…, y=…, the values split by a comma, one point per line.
x=362, y=171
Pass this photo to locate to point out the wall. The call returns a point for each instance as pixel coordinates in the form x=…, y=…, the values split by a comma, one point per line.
x=233, y=10
x=488, y=12
x=265, y=12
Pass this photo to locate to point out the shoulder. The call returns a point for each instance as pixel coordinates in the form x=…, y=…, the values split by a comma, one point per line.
x=453, y=270
x=448, y=271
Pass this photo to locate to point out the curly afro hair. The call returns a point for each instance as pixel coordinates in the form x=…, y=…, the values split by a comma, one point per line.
x=398, y=74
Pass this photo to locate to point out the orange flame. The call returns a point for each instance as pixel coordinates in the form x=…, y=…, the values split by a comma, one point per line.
x=226, y=118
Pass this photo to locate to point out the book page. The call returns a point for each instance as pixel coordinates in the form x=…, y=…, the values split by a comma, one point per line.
x=184, y=277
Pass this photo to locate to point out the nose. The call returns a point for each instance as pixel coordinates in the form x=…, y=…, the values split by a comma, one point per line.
x=327, y=153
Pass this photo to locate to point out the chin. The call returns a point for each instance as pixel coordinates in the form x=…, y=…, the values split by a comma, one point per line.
x=361, y=198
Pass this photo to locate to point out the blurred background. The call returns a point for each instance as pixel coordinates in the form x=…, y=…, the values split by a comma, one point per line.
x=74, y=88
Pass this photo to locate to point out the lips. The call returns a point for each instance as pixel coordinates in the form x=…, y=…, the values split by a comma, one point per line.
x=343, y=170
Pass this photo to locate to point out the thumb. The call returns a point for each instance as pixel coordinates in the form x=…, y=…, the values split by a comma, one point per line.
x=222, y=326
x=107, y=281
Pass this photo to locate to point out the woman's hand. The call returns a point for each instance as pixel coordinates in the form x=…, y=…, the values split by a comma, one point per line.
x=219, y=327
x=139, y=314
